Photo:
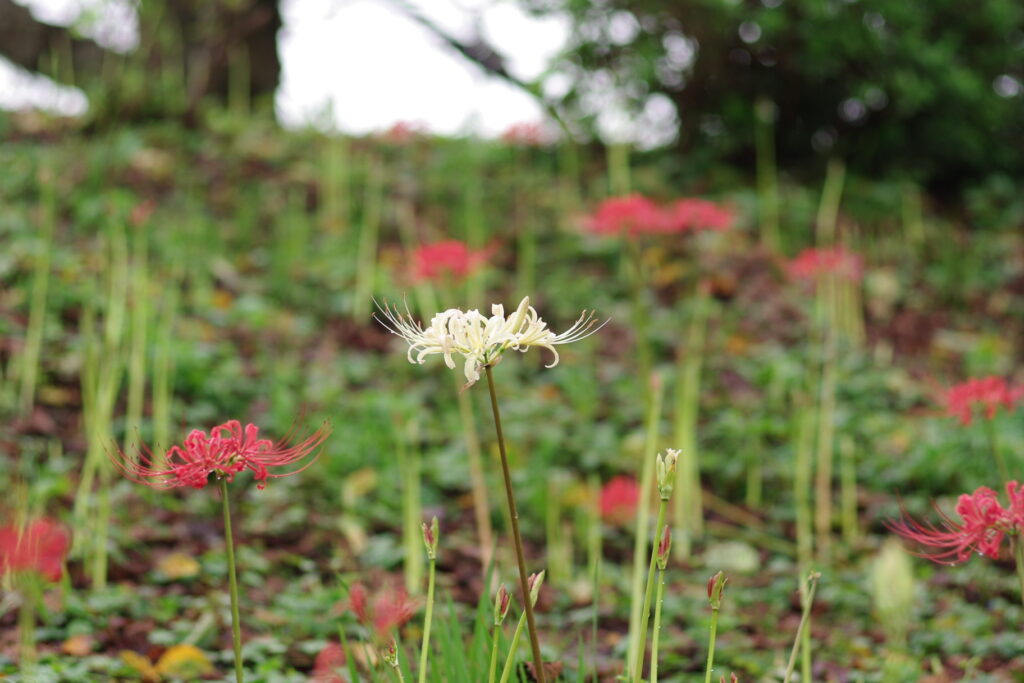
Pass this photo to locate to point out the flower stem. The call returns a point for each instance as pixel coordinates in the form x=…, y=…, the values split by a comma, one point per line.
x=506, y=671
x=425, y=648
x=808, y=601
x=1018, y=554
x=993, y=440
x=27, y=626
x=493, y=671
x=713, y=632
x=236, y=624
x=645, y=613
x=514, y=517
x=659, y=598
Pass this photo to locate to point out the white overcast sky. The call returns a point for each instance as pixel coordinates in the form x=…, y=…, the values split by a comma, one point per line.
x=361, y=63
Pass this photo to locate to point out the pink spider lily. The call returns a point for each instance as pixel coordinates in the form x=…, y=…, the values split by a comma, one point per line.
x=986, y=393
x=619, y=498
x=983, y=525
x=694, y=215
x=813, y=263
x=633, y=215
x=40, y=547
x=526, y=134
x=449, y=258
x=391, y=609
x=226, y=451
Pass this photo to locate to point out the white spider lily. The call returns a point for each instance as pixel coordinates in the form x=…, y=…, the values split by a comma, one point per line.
x=479, y=339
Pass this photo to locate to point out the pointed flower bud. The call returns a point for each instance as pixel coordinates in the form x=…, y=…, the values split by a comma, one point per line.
x=666, y=469
x=716, y=584
x=390, y=654
x=430, y=535
x=535, y=581
x=732, y=678
x=502, y=601
x=664, y=548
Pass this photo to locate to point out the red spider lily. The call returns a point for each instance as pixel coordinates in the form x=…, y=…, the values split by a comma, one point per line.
x=40, y=547
x=619, y=498
x=984, y=523
x=327, y=667
x=987, y=393
x=403, y=132
x=450, y=258
x=228, y=450
x=811, y=264
x=693, y=215
x=391, y=609
x=633, y=215
x=525, y=134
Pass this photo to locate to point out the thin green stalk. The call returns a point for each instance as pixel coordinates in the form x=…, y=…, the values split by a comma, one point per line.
x=524, y=584
x=656, y=393
x=808, y=602
x=478, y=485
x=427, y=619
x=712, y=633
x=802, y=483
x=618, y=168
x=27, y=626
x=366, y=266
x=493, y=669
x=1018, y=555
x=409, y=464
x=37, y=303
x=506, y=671
x=848, y=493
x=137, y=339
x=229, y=542
x=659, y=599
x=689, y=507
x=997, y=453
x=826, y=438
x=645, y=613
x=638, y=287
x=767, y=178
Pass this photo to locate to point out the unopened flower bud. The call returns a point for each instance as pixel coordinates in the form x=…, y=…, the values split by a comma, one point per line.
x=430, y=535
x=716, y=584
x=664, y=547
x=666, y=469
x=502, y=601
x=390, y=654
x=732, y=678
x=535, y=582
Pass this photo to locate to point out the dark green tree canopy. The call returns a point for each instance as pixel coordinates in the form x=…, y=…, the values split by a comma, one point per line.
x=928, y=89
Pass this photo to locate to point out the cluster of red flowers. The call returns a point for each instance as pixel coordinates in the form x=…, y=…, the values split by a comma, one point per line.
x=228, y=450
x=405, y=131
x=636, y=215
x=813, y=263
x=390, y=610
x=40, y=547
x=619, y=498
x=447, y=259
x=328, y=665
x=526, y=134
x=983, y=526
x=987, y=393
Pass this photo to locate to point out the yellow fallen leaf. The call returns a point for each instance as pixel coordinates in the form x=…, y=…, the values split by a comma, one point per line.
x=141, y=664
x=178, y=566
x=184, y=661
x=77, y=646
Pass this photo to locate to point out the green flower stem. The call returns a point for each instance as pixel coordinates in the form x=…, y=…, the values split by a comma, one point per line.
x=493, y=671
x=27, y=626
x=645, y=614
x=506, y=671
x=659, y=598
x=236, y=623
x=524, y=583
x=425, y=648
x=711, y=645
x=1018, y=554
x=808, y=600
x=993, y=440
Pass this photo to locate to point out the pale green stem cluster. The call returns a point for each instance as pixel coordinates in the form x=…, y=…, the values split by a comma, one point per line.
x=427, y=619
x=807, y=592
x=645, y=613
